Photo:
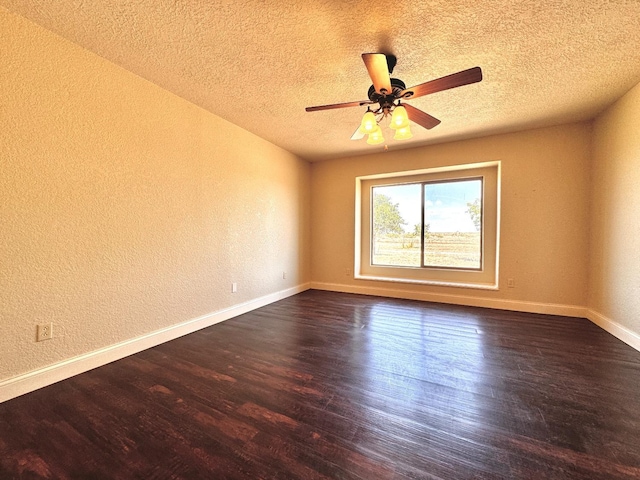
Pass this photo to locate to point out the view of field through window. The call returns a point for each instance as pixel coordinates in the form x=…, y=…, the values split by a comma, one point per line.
x=452, y=233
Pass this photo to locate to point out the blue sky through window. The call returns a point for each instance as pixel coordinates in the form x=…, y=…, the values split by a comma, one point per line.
x=445, y=204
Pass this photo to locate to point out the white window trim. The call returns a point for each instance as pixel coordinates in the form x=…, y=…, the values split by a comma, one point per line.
x=487, y=280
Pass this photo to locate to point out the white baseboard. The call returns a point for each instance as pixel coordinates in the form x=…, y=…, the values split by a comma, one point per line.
x=514, y=305
x=30, y=381
x=629, y=337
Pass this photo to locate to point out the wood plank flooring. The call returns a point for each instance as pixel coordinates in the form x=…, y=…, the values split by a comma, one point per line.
x=336, y=386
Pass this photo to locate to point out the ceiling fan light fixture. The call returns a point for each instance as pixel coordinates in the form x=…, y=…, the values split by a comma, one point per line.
x=403, y=133
x=399, y=118
x=369, y=123
x=375, y=137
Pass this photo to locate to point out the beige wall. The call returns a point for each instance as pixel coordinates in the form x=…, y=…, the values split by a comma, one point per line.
x=614, y=281
x=544, y=209
x=125, y=209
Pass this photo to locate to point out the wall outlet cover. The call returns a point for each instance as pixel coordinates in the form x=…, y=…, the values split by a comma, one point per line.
x=45, y=332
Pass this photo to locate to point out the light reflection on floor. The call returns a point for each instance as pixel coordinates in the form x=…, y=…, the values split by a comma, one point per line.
x=409, y=358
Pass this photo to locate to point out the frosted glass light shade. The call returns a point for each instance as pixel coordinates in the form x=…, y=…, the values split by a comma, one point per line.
x=375, y=137
x=403, y=133
x=399, y=118
x=369, y=123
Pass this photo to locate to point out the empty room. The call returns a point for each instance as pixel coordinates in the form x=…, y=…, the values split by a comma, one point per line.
x=320, y=240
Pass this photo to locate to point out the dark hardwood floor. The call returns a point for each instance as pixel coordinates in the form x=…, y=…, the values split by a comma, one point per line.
x=337, y=386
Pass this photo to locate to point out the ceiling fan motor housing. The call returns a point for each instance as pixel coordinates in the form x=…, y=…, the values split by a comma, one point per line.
x=387, y=100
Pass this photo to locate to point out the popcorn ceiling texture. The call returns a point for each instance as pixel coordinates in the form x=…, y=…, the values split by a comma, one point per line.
x=126, y=209
x=258, y=64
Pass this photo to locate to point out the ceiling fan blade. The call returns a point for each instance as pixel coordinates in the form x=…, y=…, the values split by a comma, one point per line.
x=421, y=118
x=454, y=80
x=378, y=69
x=339, y=105
x=357, y=135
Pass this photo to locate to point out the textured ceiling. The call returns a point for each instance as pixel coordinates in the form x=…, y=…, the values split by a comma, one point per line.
x=259, y=63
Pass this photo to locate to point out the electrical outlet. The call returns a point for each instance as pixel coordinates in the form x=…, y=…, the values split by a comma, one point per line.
x=511, y=283
x=347, y=272
x=284, y=275
x=234, y=287
x=45, y=332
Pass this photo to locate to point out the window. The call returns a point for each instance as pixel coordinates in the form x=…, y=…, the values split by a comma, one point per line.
x=428, y=224
x=437, y=226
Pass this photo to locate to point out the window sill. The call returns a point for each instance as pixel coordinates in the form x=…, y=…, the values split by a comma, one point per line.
x=477, y=286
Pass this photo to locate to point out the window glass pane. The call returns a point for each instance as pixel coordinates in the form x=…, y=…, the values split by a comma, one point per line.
x=453, y=218
x=396, y=225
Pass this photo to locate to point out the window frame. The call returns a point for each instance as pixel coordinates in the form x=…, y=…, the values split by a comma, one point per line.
x=486, y=277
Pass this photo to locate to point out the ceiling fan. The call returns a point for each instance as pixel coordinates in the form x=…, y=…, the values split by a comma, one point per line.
x=388, y=92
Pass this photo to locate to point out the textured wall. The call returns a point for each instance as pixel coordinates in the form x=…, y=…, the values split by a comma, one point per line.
x=544, y=211
x=614, y=282
x=126, y=209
